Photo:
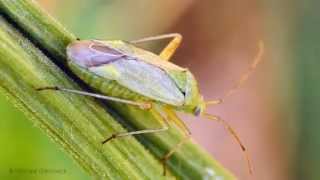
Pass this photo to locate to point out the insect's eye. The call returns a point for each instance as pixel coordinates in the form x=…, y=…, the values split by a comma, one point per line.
x=197, y=111
x=105, y=49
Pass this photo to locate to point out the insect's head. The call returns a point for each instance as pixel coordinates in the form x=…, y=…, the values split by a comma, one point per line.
x=90, y=53
x=201, y=107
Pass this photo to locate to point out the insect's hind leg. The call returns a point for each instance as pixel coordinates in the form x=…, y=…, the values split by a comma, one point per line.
x=169, y=50
x=142, y=105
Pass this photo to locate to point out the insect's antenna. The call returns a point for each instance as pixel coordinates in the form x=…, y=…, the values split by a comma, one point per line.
x=244, y=77
x=235, y=136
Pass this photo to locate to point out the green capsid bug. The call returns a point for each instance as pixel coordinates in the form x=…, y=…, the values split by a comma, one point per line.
x=113, y=67
x=122, y=72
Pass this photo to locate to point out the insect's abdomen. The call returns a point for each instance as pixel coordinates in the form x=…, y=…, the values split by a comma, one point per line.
x=105, y=86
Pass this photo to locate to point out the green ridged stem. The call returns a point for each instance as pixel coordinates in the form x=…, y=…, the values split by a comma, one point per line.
x=77, y=123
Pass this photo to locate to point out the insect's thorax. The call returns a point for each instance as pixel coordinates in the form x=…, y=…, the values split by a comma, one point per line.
x=193, y=101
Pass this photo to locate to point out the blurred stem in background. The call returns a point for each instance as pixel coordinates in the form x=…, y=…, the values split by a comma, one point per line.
x=307, y=64
x=279, y=32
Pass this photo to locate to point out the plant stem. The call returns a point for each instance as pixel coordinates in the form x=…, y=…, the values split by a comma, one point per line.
x=79, y=124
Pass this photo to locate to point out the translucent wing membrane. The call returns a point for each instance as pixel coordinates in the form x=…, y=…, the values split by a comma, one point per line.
x=88, y=54
x=143, y=78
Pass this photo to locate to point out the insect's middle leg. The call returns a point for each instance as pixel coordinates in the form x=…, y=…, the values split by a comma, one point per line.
x=169, y=50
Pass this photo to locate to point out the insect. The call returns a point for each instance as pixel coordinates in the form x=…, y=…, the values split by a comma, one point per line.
x=121, y=71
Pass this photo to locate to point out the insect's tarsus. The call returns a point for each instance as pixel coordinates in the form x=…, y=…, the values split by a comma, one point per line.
x=48, y=88
x=113, y=136
x=235, y=136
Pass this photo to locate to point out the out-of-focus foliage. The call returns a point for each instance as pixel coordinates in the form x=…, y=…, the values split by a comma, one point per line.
x=25, y=148
x=307, y=75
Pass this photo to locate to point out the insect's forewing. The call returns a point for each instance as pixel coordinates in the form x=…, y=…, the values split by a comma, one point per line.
x=133, y=68
x=142, y=55
x=143, y=78
x=155, y=60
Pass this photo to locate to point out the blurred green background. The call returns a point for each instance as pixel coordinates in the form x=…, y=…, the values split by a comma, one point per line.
x=275, y=113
